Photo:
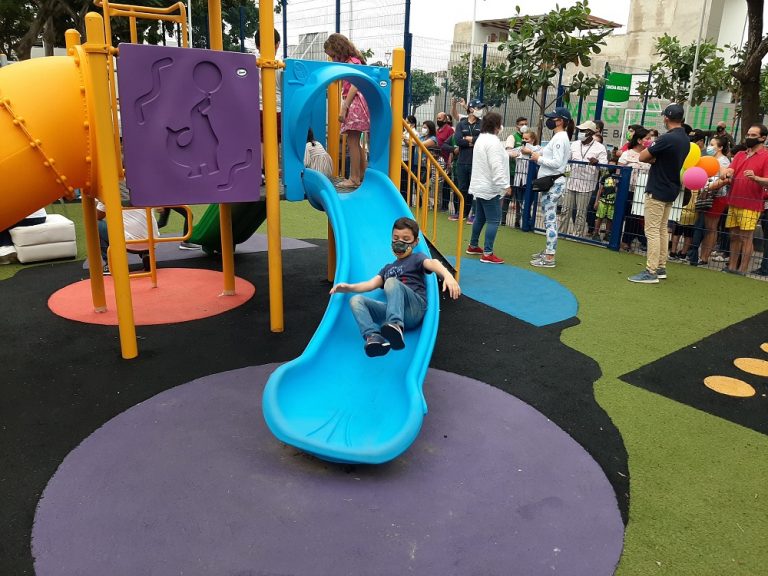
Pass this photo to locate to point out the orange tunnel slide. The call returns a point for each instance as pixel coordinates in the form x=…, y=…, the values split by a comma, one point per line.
x=45, y=141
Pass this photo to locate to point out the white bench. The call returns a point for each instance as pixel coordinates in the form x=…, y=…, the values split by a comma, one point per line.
x=51, y=240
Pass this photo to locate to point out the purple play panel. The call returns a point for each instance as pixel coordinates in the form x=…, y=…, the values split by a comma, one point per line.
x=168, y=251
x=190, y=121
x=192, y=482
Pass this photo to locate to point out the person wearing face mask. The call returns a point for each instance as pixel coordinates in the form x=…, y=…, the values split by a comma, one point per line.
x=490, y=183
x=552, y=161
x=666, y=157
x=718, y=147
x=630, y=132
x=383, y=323
x=748, y=177
x=467, y=132
x=445, y=142
x=582, y=182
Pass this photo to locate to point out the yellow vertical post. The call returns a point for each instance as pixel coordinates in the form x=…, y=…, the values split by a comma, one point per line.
x=225, y=210
x=334, y=128
x=398, y=76
x=334, y=144
x=269, y=114
x=134, y=31
x=107, y=178
x=72, y=39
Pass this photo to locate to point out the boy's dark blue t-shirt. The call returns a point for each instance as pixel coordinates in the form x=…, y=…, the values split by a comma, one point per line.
x=410, y=271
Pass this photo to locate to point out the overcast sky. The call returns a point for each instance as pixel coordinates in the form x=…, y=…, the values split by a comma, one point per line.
x=436, y=19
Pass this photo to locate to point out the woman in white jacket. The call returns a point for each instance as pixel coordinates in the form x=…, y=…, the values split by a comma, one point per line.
x=489, y=183
x=553, y=159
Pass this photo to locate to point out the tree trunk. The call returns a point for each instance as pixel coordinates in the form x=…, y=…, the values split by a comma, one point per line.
x=49, y=37
x=750, y=105
x=748, y=71
x=541, y=104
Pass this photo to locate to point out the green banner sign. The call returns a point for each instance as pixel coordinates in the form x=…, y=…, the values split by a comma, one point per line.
x=617, y=87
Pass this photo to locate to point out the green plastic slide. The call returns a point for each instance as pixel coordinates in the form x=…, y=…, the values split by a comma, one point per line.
x=246, y=218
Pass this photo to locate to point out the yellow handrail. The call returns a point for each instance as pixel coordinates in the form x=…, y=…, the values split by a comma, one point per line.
x=422, y=189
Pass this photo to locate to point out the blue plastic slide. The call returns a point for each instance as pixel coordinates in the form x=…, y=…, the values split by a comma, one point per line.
x=333, y=401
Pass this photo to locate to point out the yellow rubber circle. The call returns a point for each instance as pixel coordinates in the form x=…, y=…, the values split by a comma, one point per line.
x=729, y=386
x=764, y=347
x=752, y=366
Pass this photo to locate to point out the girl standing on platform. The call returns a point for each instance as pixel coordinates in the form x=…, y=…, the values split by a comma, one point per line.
x=354, y=115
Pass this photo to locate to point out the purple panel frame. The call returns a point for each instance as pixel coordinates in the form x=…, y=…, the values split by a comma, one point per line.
x=190, y=121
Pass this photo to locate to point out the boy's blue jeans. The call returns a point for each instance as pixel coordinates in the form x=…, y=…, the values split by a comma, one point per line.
x=403, y=306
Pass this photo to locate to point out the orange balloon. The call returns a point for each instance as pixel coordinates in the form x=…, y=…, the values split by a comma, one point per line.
x=710, y=164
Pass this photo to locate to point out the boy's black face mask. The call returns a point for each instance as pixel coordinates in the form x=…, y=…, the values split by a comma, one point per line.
x=400, y=247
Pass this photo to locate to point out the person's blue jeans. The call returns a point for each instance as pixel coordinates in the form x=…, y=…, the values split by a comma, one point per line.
x=698, y=237
x=463, y=176
x=402, y=306
x=103, y=238
x=488, y=214
x=549, y=204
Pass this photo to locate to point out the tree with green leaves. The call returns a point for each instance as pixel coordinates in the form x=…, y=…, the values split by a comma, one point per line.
x=538, y=47
x=747, y=69
x=16, y=17
x=671, y=76
x=230, y=16
x=423, y=87
x=459, y=72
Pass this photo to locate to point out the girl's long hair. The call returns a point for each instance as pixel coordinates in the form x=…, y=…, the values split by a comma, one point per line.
x=341, y=48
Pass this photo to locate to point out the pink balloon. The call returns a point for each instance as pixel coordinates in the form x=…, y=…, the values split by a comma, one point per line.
x=695, y=178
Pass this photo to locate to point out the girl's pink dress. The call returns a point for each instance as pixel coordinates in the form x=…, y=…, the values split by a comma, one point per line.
x=358, y=118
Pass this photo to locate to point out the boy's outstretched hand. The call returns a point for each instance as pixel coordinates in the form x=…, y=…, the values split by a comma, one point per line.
x=340, y=288
x=450, y=284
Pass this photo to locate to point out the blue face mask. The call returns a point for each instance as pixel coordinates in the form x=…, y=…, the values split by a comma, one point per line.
x=710, y=151
x=400, y=247
x=550, y=123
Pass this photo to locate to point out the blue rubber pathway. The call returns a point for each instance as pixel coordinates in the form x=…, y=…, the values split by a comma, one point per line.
x=524, y=294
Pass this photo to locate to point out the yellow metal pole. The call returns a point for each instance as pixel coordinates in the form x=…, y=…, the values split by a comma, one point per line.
x=225, y=210
x=134, y=31
x=398, y=76
x=334, y=129
x=107, y=178
x=269, y=66
x=72, y=39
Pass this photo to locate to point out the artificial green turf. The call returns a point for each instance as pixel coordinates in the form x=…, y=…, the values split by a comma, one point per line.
x=699, y=505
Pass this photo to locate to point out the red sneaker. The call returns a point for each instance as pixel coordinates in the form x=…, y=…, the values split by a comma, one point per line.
x=491, y=259
x=476, y=250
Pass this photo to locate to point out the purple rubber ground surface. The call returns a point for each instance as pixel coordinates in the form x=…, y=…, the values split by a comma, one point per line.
x=191, y=482
x=169, y=251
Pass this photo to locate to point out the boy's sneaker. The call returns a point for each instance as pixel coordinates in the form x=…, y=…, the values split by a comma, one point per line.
x=491, y=259
x=644, y=277
x=471, y=220
x=661, y=273
x=105, y=270
x=189, y=246
x=538, y=255
x=719, y=258
x=453, y=218
x=475, y=250
x=394, y=333
x=375, y=345
x=543, y=262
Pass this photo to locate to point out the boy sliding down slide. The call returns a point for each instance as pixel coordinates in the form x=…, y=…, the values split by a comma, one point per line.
x=382, y=323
